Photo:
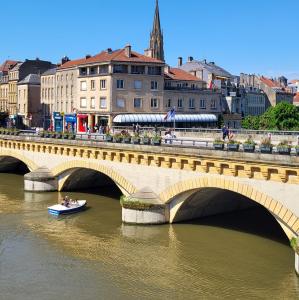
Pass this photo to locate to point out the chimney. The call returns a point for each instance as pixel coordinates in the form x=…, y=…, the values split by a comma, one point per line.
x=109, y=50
x=64, y=60
x=128, y=50
x=190, y=58
x=87, y=56
x=180, y=61
x=204, y=61
x=148, y=52
x=166, y=69
x=212, y=62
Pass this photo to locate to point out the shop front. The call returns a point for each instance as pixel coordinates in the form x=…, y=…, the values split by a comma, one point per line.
x=102, y=120
x=82, y=121
x=70, y=122
x=58, y=122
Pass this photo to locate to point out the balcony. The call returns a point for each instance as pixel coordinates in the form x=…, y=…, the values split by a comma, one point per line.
x=182, y=88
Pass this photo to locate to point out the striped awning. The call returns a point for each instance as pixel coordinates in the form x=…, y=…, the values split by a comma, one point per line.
x=159, y=118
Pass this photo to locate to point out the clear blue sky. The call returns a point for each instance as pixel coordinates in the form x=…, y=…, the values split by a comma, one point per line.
x=256, y=36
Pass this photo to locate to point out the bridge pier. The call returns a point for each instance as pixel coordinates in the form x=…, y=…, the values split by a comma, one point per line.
x=40, y=180
x=297, y=263
x=144, y=207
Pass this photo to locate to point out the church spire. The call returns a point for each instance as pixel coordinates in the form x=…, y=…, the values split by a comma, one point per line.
x=156, y=38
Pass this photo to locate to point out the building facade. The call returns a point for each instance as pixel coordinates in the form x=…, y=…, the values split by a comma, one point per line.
x=17, y=74
x=28, y=102
x=275, y=90
x=48, y=96
x=113, y=82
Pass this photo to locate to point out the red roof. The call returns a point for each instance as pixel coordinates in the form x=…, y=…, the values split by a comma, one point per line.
x=120, y=55
x=116, y=56
x=7, y=65
x=294, y=81
x=270, y=82
x=179, y=74
x=73, y=63
x=296, y=98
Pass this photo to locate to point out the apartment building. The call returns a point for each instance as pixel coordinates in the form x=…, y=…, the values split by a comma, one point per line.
x=28, y=102
x=113, y=82
x=17, y=74
x=65, y=107
x=48, y=96
x=4, y=87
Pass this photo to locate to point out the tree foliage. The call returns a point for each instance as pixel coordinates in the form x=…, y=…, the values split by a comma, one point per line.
x=284, y=116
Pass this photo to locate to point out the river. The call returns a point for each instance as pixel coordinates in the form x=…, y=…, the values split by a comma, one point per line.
x=92, y=255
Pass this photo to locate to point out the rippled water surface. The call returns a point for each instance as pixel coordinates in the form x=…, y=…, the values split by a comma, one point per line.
x=92, y=255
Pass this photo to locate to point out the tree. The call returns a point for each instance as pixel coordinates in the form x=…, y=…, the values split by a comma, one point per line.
x=284, y=116
x=251, y=122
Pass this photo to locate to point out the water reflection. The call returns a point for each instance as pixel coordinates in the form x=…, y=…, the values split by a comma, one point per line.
x=210, y=258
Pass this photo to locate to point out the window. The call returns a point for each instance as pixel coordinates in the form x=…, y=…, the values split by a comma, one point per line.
x=92, y=102
x=66, y=90
x=154, y=85
x=213, y=104
x=191, y=103
x=137, y=69
x=202, y=103
x=71, y=90
x=92, y=85
x=168, y=104
x=103, y=69
x=154, y=70
x=180, y=103
x=137, y=84
x=93, y=70
x=66, y=77
x=103, y=102
x=83, y=86
x=83, y=71
x=137, y=102
x=120, y=103
x=120, y=69
x=103, y=84
x=154, y=103
x=83, y=102
x=119, y=84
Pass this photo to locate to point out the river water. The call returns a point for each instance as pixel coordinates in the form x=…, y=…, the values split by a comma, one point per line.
x=92, y=255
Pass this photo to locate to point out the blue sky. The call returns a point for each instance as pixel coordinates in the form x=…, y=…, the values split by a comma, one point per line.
x=256, y=36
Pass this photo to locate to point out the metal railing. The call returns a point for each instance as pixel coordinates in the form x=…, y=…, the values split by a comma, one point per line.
x=96, y=139
x=214, y=130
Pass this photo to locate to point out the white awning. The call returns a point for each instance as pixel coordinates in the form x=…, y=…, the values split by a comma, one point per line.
x=159, y=118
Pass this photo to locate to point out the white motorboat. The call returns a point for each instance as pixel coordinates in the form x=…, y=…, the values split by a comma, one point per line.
x=72, y=207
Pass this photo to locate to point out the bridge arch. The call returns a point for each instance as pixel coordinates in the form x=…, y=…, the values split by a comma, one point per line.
x=28, y=162
x=65, y=170
x=177, y=195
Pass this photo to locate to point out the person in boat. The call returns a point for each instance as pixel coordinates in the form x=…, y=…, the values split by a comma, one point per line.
x=66, y=201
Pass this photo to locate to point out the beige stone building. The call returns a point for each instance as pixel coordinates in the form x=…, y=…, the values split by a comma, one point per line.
x=4, y=93
x=17, y=74
x=13, y=77
x=28, y=101
x=123, y=87
x=48, y=96
x=4, y=86
x=114, y=82
x=189, y=95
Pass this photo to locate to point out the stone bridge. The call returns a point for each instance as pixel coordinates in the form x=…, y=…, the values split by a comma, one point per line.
x=162, y=184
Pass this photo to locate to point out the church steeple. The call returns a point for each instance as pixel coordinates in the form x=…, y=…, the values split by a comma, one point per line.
x=156, y=38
